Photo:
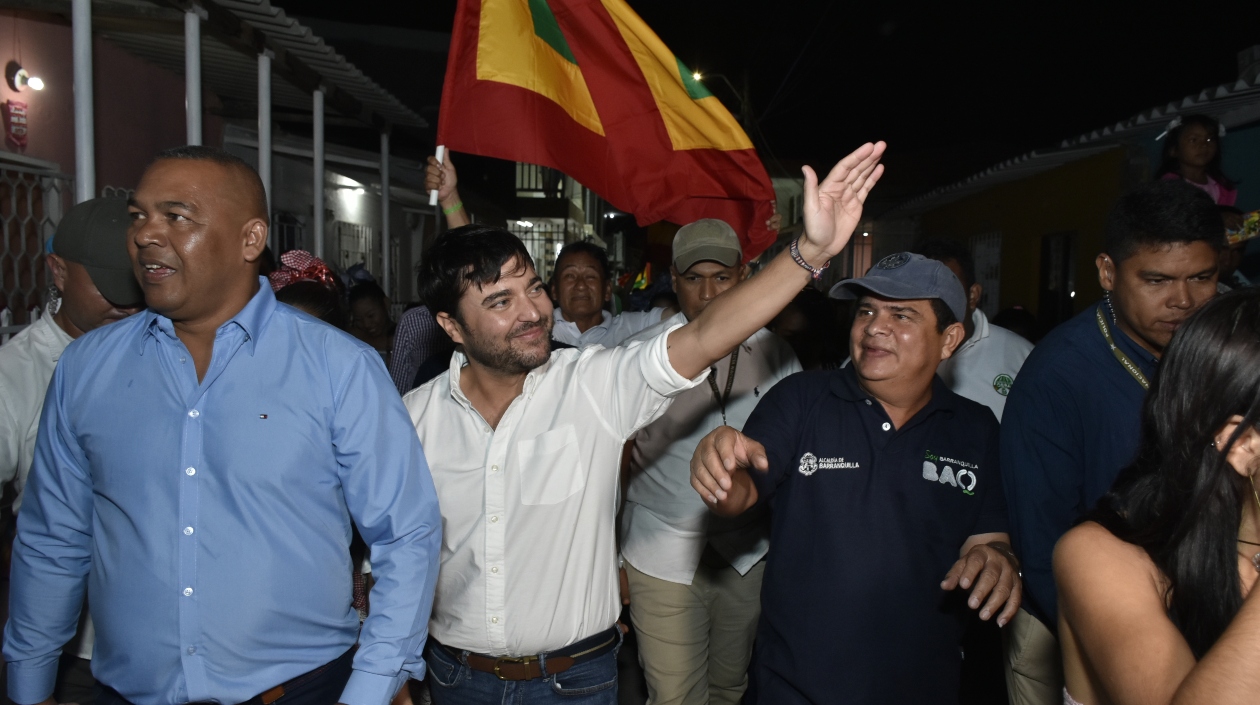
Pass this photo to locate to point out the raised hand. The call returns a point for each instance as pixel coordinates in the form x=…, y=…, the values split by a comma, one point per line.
x=833, y=208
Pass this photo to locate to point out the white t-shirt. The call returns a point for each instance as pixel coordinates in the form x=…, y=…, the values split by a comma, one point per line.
x=529, y=550
x=665, y=525
x=984, y=367
x=610, y=333
x=27, y=362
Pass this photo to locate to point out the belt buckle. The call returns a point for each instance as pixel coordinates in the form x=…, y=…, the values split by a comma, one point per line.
x=524, y=660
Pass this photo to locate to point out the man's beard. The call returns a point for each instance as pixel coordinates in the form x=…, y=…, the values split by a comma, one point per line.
x=504, y=357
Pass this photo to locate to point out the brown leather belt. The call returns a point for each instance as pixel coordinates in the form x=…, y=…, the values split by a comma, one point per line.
x=524, y=668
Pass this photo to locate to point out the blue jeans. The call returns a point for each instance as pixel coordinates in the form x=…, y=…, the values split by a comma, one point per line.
x=452, y=682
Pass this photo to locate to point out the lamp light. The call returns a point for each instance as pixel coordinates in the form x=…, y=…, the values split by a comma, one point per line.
x=19, y=78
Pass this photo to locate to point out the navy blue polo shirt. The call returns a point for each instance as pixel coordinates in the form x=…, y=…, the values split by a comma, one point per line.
x=1072, y=422
x=866, y=521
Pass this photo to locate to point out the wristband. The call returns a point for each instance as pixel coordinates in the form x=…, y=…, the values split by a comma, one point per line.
x=452, y=209
x=795, y=251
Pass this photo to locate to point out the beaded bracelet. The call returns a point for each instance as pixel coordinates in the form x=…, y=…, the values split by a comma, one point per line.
x=795, y=251
x=452, y=209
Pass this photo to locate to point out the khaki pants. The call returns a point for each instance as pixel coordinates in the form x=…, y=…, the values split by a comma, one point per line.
x=695, y=640
x=1034, y=666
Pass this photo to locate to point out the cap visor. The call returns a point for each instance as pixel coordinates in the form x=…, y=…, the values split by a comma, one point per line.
x=887, y=288
x=118, y=286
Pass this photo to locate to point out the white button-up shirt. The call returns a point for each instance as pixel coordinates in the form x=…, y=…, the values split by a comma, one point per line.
x=983, y=368
x=529, y=554
x=610, y=332
x=27, y=362
x=665, y=525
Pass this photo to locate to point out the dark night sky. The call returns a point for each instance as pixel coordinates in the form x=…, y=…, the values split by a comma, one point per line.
x=952, y=91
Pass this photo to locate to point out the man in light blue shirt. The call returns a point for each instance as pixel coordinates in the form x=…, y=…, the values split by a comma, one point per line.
x=198, y=470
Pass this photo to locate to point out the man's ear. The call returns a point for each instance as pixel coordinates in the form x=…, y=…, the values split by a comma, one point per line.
x=673, y=278
x=58, y=268
x=1245, y=452
x=951, y=339
x=1106, y=271
x=451, y=326
x=745, y=272
x=973, y=296
x=608, y=291
x=255, y=239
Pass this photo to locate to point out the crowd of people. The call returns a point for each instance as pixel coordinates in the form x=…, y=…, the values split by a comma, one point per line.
x=238, y=481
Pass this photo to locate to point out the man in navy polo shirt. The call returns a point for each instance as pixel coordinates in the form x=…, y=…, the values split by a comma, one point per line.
x=881, y=482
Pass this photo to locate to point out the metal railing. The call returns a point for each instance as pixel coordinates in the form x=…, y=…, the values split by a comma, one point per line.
x=32, y=202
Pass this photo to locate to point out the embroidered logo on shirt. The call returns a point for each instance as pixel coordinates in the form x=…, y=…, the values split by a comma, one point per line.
x=811, y=464
x=1002, y=384
x=963, y=478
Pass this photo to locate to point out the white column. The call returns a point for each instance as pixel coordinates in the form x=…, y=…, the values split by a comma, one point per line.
x=264, y=134
x=84, y=137
x=192, y=73
x=386, y=278
x=317, y=147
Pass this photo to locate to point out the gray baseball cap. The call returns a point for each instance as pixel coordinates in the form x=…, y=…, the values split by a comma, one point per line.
x=94, y=234
x=905, y=276
x=707, y=239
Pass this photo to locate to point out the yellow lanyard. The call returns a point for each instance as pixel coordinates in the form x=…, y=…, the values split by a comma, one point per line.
x=1124, y=359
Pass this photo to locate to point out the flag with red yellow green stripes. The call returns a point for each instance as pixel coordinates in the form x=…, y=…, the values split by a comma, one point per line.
x=586, y=87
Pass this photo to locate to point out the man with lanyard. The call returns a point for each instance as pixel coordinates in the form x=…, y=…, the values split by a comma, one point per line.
x=885, y=495
x=694, y=577
x=525, y=444
x=1072, y=418
x=985, y=366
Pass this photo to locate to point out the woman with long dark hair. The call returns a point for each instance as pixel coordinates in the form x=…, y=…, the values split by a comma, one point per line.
x=1156, y=600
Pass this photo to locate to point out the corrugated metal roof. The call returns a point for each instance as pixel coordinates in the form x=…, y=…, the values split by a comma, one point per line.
x=232, y=74
x=1234, y=104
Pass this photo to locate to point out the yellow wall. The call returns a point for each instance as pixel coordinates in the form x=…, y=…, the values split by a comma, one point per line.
x=1075, y=198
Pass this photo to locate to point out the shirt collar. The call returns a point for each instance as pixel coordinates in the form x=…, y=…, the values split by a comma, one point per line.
x=252, y=319
x=459, y=360
x=844, y=384
x=607, y=318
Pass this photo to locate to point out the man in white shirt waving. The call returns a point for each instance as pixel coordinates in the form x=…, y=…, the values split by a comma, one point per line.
x=695, y=577
x=524, y=445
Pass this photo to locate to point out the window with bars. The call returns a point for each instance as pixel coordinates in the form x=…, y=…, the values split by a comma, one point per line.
x=31, y=204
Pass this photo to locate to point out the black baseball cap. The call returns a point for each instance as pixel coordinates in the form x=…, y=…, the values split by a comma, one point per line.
x=904, y=276
x=94, y=234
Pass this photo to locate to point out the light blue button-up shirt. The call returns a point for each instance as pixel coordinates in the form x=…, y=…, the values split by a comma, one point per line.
x=211, y=521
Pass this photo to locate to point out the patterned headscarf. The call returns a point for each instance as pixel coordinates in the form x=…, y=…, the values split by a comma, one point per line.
x=300, y=265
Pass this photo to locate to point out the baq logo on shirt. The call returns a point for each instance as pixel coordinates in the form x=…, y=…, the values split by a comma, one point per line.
x=963, y=478
x=1002, y=384
x=811, y=464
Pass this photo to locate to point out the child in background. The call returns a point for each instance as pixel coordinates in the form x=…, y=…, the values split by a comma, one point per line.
x=1192, y=151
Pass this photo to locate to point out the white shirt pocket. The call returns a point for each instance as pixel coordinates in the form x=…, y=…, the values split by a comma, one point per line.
x=550, y=467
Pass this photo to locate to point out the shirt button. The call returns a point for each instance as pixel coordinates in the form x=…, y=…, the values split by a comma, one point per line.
x=886, y=426
x=188, y=531
x=192, y=650
x=187, y=592
x=868, y=402
x=182, y=360
x=487, y=429
x=494, y=468
x=494, y=519
x=494, y=569
x=190, y=471
x=494, y=620
x=194, y=413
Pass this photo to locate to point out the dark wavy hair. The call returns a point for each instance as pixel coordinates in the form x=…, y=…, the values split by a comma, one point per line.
x=1168, y=163
x=459, y=258
x=1180, y=500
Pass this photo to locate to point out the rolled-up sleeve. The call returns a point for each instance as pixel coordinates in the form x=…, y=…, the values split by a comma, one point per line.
x=390, y=495
x=51, y=556
x=631, y=385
